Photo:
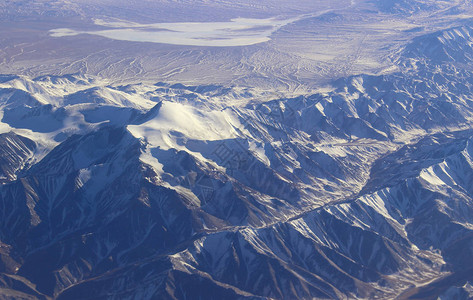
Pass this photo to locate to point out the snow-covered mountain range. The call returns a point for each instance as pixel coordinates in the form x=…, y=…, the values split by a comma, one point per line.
x=171, y=190
x=362, y=189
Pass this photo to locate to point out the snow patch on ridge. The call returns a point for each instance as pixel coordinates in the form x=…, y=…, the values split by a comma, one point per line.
x=188, y=121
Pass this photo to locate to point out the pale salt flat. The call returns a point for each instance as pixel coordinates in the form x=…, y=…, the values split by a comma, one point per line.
x=236, y=32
